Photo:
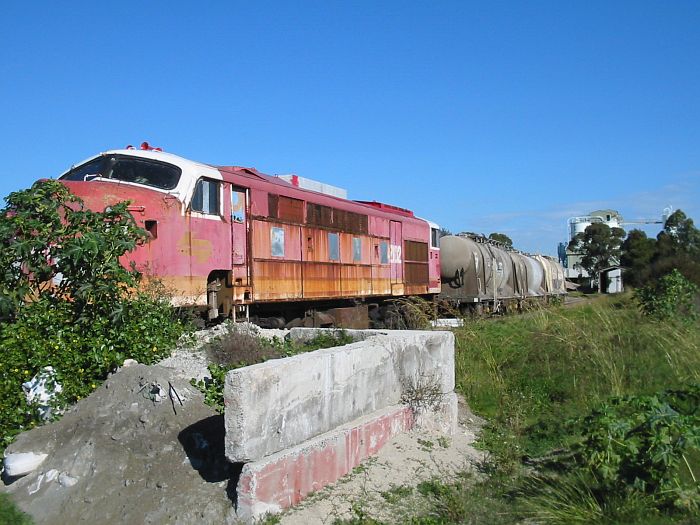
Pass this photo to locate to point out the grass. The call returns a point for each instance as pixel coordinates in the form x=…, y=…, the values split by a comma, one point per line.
x=10, y=514
x=534, y=378
x=529, y=374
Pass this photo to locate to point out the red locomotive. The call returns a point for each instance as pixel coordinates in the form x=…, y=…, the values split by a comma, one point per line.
x=242, y=243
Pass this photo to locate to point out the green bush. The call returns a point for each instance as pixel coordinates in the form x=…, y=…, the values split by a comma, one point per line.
x=67, y=302
x=642, y=443
x=672, y=296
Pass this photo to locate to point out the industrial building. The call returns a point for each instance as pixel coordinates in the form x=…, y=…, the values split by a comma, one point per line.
x=571, y=261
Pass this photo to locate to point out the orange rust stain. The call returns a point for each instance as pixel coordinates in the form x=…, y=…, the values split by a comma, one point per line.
x=110, y=198
x=200, y=249
x=276, y=280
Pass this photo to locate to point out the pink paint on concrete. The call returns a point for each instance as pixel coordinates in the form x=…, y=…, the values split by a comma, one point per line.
x=285, y=478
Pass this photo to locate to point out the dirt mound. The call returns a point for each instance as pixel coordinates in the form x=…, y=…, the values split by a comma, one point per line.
x=143, y=448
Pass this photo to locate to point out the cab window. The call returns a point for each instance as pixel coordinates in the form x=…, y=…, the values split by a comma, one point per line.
x=127, y=169
x=149, y=173
x=206, y=197
x=87, y=171
x=434, y=238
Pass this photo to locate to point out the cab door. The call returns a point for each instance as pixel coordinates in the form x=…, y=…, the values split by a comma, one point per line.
x=206, y=238
x=239, y=235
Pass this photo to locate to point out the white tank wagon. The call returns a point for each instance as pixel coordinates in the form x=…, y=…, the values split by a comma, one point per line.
x=481, y=275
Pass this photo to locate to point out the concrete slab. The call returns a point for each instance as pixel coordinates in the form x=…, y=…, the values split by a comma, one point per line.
x=282, y=403
x=284, y=479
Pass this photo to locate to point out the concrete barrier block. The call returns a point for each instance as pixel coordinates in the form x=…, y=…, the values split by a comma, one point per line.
x=443, y=418
x=282, y=403
x=284, y=479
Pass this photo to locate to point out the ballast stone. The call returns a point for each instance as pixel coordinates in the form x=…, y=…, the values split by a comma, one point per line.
x=282, y=403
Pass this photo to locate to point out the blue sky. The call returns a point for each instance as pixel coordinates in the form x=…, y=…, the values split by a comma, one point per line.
x=489, y=116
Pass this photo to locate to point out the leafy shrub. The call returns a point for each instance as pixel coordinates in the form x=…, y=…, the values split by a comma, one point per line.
x=67, y=301
x=213, y=387
x=642, y=442
x=672, y=296
x=52, y=246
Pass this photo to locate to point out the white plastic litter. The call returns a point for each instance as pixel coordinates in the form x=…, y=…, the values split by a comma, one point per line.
x=34, y=487
x=51, y=474
x=447, y=323
x=129, y=362
x=66, y=481
x=21, y=463
x=41, y=390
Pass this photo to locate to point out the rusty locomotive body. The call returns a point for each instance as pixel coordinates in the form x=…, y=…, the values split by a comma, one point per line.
x=239, y=242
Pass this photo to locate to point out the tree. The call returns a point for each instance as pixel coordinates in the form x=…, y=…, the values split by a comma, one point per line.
x=444, y=232
x=502, y=238
x=600, y=247
x=638, y=250
x=678, y=246
x=679, y=236
x=52, y=246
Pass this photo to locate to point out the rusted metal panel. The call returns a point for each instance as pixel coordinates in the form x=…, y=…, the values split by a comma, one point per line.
x=183, y=290
x=315, y=245
x=398, y=289
x=273, y=205
x=416, y=251
x=416, y=273
x=276, y=280
x=416, y=263
x=350, y=222
x=319, y=215
x=434, y=280
x=284, y=238
x=339, y=219
x=239, y=275
x=381, y=280
x=258, y=202
x=415, y=289
x=379, y=226
x=291, y=210
x=356, y=280
x=322, y=280
x=356, y=317
x=355, y=249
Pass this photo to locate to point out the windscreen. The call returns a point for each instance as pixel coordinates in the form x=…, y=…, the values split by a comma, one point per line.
x=128, y=169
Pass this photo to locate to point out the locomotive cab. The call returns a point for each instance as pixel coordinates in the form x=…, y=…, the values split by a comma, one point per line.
x=184, y=206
